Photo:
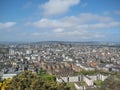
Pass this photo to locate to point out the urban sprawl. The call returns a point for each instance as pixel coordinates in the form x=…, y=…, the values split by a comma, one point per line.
x=67, y=61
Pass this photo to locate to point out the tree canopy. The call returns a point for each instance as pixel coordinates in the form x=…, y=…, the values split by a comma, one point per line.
x=32, y=81
x=112, y=83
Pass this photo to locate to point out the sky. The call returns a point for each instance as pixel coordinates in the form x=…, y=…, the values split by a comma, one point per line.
x=60, y=20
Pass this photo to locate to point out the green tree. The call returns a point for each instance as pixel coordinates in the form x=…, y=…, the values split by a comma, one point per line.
x=112, y=83
x=4, y=84
x=90, y=72
x=31, y=81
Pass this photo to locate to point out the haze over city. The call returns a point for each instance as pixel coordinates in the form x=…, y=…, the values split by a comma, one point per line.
x=60, y=20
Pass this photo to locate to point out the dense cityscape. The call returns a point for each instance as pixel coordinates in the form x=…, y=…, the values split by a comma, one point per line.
x=69, y=62
x=59, y=44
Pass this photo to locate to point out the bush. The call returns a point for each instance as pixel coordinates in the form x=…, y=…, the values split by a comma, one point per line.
x=31, y=81
x=112, y=83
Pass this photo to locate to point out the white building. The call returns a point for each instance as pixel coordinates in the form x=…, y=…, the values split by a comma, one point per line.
x=11, y=52
x=5, y=76
x=88, y=81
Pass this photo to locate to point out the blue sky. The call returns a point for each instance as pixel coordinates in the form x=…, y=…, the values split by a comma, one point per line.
x=60, y=20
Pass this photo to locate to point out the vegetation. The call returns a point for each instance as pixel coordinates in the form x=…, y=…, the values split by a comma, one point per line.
x=107, y=73
x=98, y=82
x=112, y=83
x=3, y=50
x=43, y=81
x=82, y=83
x=90, y=72
x=71, y=85
x=5, y=84
x=46, y=76
x=32, y=81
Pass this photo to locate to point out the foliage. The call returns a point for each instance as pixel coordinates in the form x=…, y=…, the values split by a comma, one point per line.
x=112, y=83
x=106, y=72
x=3, y=51
x=82, y=83
x=98, y=82
x=46, y=76
x=90, y=72
x=5, y=84
x=71, y=85
x=32, y=81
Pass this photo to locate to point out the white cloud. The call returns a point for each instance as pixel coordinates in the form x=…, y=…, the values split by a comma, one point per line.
x=117, y=12
x=86, y=18
x=84, y=5
x=105, y=25
x=75, y=27
x=36, y=34
x=83, y=21
x=58, y=30
x=99, y=25
x=47, y=23
x=69, y=36
x=94, y=17
x=106, y=13
x=7, y=25
x=55, y=7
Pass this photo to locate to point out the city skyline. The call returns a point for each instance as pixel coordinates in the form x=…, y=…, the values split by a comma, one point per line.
x=60, y=20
